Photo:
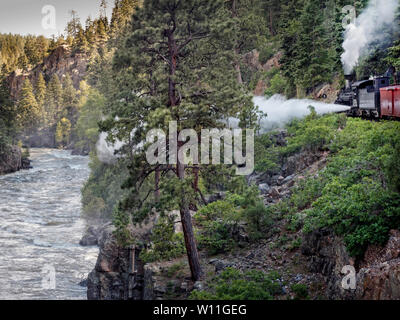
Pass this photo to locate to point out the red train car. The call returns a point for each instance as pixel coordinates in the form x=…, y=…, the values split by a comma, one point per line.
x=390, y=102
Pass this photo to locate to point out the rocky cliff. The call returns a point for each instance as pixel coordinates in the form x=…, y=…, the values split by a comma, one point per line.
x=377, y=276
x=118, y=274
x=60, y=62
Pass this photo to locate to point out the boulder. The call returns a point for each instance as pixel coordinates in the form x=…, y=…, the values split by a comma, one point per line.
x=215, y=197
x=288, y=179
x=299, y=162
x=221, y=265
x=264, y=188
x=274, y=193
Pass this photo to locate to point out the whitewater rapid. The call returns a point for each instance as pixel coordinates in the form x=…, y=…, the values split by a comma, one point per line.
x=40, y=229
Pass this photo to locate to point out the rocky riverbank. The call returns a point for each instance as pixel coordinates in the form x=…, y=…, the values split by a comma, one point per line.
x=13, y=161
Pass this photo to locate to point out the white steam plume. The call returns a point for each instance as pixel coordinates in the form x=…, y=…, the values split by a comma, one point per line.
x=106, y=150
x=279, y=110
x=367, y=29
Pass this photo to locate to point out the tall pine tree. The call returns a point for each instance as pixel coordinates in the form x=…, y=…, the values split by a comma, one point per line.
x=29, y=111
x=40, y=94
x=174, y=66
x=53, y=100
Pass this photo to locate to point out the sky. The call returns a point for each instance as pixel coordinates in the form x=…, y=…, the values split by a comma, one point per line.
x=26, y=17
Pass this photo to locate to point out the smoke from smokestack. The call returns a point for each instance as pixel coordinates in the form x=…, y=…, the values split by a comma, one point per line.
x=366, y=30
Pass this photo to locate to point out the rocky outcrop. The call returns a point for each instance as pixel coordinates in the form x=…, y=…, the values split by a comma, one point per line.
x=327, y=256
x=252, y=61
x=378, y=275
x=13, y=161
x=118, y=274
x=92, y=236
x=61, y=61
x=301, y=161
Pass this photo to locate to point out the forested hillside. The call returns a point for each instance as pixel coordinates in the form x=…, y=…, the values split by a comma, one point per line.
x=44, y=82
x=100, y=89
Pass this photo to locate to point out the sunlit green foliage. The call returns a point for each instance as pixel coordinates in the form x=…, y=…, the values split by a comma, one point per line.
x=91, y=112
x=63, y=132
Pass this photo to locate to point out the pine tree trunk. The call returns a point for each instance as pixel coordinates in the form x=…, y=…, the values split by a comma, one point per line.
x=186, y=218
x=187, y=226
x=238, y=72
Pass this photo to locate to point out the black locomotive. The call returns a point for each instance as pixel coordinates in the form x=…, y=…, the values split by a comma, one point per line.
x=377, y=97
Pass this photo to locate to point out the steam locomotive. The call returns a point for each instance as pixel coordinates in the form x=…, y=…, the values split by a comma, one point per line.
x=377, y=97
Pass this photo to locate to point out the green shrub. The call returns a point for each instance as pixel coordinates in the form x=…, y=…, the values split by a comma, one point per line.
x=266, y=53
x=277, y=85
x=303, y=195
x=216, y=222
x=233, y=284
x=267, y=156
x=216, y=237
x=165, y=243
x=357, y=193
x=259, y=219
x=176, y=270
x=121, y=222
x=219, y=220
x=300, y=291
x=295, y=244
x=215, y=210
x=362, y=213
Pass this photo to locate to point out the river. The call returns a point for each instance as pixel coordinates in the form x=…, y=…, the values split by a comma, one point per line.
x=40, y=229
